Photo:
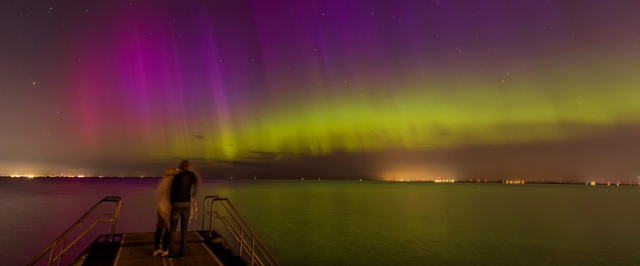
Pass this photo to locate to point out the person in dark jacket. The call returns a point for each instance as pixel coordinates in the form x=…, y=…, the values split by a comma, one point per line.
x=183, y=188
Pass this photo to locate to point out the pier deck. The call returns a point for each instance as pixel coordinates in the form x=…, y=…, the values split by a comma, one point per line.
x=136, y=249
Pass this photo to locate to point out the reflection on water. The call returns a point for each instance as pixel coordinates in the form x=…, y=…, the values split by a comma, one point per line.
x=362, y=223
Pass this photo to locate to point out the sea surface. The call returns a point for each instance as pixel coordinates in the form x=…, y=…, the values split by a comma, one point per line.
x=320, y=222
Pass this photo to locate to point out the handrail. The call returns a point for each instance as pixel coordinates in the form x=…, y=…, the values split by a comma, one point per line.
x=113, y=218
x=247, y=239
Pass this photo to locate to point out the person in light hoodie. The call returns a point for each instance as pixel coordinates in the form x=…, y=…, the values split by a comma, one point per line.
x=163, y=214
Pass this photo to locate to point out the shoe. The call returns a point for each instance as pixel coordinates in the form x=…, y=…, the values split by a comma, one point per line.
x=157, y=252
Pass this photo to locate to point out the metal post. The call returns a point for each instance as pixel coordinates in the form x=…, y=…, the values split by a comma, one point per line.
x=53, y=250
x=211, y=218
x=253, y=246
x=115, y=220
x=204, y=211
x=241, y=240
x=64, y=245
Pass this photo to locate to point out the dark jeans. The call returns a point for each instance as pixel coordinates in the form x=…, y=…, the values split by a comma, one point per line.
x=162, y=231
x=179, y=210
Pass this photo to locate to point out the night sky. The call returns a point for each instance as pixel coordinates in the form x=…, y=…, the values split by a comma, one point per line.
x=378, y=89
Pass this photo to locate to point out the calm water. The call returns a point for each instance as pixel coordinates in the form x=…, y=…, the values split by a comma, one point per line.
x=362, y=223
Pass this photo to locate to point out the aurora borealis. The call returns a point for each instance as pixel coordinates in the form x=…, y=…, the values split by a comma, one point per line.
x=467, y=89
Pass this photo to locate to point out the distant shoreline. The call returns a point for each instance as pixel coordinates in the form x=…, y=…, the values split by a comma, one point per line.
x=84, y=177
x=506, y=182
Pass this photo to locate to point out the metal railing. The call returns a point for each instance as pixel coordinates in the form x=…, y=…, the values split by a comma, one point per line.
x=249, y=245
x=113, y=218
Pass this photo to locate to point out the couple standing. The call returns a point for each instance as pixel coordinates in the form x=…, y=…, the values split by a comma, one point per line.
x=176, y=192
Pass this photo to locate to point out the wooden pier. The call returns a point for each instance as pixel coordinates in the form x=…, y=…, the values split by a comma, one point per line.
x=205, y=247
